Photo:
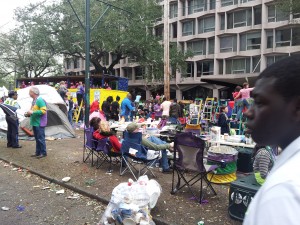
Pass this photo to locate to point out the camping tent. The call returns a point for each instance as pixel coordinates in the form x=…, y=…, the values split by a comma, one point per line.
x=58, y=125
x=3, y=92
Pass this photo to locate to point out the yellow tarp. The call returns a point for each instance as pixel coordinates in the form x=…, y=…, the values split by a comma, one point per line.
x=100, y=94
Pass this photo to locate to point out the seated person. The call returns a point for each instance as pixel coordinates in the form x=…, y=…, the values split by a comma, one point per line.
x=264, y=158
x=223, y=120
x=154, y=143
x=102, y=130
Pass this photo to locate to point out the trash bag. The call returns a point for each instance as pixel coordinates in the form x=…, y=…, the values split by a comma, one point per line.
x=131, y=203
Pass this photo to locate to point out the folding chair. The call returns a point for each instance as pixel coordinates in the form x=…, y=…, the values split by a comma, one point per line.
x=89, y=145
x=190, y=150
x=137, y=164
x=100, y=151
x=110, y=155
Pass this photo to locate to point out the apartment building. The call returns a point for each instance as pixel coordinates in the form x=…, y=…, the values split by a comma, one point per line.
x=232, y=41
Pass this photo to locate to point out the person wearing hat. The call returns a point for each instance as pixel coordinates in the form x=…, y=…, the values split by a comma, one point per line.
x=12, y=124
x=154, y=143
x=12, y=99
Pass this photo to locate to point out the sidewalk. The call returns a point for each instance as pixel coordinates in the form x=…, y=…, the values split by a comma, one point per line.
x=65, y=159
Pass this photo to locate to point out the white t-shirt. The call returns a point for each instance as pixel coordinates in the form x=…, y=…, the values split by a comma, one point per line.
x=278, y=200
x=165, y=106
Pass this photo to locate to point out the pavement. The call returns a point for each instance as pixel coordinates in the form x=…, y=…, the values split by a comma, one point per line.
x=27, y=199
x=65, y=160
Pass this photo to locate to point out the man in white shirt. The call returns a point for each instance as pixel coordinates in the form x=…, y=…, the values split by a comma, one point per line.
x=274, y=119
x=165, y=106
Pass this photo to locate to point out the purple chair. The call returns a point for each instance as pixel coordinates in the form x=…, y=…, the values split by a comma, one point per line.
x=109, y=155
x=89, y=145
x=189, y=150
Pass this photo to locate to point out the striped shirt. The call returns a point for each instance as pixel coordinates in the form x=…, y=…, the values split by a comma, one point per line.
x=263, y=162
x=39, y=115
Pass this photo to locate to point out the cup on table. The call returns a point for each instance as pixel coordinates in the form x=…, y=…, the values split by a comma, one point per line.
x=226, y=136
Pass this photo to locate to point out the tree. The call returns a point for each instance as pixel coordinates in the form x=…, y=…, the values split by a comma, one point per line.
x=124, y=33
x=288, y=6
x=23, y=53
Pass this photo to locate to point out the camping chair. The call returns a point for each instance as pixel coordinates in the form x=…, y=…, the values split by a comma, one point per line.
x=190, y=150
x=134, y=156
x=110, y=155
x=89, y=145
x=100, y=151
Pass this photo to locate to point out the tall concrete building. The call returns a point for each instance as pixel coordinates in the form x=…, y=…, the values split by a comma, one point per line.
x=232, y=41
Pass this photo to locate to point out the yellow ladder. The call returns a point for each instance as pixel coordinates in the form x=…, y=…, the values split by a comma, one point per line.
x=199, y=110
x=77, y=112
x=208, y=109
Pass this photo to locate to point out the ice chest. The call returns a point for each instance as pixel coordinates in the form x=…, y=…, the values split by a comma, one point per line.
x=241, y=193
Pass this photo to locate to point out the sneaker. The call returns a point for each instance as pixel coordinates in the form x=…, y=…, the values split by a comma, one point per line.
x=18, y=146
x=33, y=155
x=167, y=171
x=41, y=156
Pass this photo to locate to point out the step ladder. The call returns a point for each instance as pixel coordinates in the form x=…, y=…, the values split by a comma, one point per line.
x=207, y=113
x=77, y=112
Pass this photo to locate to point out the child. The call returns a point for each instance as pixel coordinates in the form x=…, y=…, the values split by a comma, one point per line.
x=264, y=158
x=223, y=120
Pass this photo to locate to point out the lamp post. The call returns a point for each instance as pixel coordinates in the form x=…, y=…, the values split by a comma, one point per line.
x=166, y=50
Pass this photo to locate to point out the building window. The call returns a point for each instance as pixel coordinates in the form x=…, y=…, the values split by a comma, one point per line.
x=256, y=64
x=250, y=41
x=245, y=1
x=174, y=30
x=275, y=58
x=211, y=45
x=269, y=38
x=76, y=63
x=159, y=31
x=220, y=61
x=68, y=63
x=206, y=24
x=188, y=28
x=128, y=73
x=257, y=15
x=283, y=38
x=228, y=44
x=296, y=15
x=183, y=8
x=205, y=68
x=295, y=36
x=197, y=6
x=190, y=69
x=138, y=73
x=239, y=19
x=212, y=4
x=173, y=10
x=197, y=47
x=228, y=2
x=222, y=18
x=238, y=66
x=275, y=15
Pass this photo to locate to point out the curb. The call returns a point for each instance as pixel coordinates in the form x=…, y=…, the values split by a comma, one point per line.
x=75, y=189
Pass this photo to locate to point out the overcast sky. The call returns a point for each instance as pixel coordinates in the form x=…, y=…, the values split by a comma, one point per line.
x=7, y=11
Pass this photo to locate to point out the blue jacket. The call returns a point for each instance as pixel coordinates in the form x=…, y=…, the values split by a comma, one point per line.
x=126, y=107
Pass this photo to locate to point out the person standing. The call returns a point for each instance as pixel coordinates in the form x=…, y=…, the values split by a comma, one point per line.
x=157, y=109
x=70, y=105
x=165, y=106
x=79, y=93
x=243, y=95
x=126, y=107
x=115, y=109
x=62, y=90
x=106, y=107
x=38, y=121
x=274, y=120
x=175, y=112
x=12, y=121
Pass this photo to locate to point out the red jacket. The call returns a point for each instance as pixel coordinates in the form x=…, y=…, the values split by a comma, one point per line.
x=113, y=140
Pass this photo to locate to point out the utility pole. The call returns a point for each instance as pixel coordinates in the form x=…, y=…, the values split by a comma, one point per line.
x=87, y=62
x=166, y=50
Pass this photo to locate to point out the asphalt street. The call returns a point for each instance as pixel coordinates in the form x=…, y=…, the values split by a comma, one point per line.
x=28, y=199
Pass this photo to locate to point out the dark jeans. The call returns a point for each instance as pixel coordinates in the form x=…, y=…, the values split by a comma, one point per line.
x=39, y=134
x=70, y=116
x=12, y=132
x=79, y=98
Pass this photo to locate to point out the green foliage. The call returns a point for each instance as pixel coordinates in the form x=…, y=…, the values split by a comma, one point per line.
x=288, y=6
x=51, y=30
